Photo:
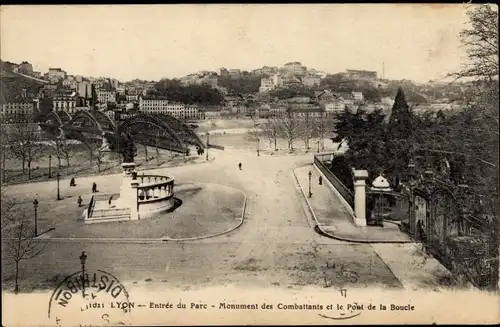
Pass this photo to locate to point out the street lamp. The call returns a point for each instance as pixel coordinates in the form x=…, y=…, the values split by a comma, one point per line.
x=258, y=143
x=318, y=146
x=35, y=206
x=310, y=175
x=58, y=193
x=83, y=259
x=50, y=166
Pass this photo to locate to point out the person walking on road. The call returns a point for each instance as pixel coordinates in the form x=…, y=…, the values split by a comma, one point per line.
x=72, y=182
x=79, y=201
x=239, y=165
x=320, y=180
x=94, y=187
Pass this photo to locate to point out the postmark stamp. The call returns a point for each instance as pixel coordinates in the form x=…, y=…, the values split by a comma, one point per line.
x=85, y=297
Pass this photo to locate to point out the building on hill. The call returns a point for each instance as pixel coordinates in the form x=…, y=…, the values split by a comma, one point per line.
x=25, y=68
x=361, y=74
x=358, y=96
x=266, y=84
x=311, y=81
x=295, y=69
x=56, y=74
x=223, y=72
x=105, y=96
x=291, y=81
x=235, y=73
x=266, y=70
x=9, y=66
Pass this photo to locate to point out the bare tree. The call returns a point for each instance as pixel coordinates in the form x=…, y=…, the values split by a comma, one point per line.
x=481, y=41
x=322, y=124
x=305, y=129
x=26, y=144
x=98, y=152
x=290, y=127
x=272, y=129
x=18, y=236
x=5, y=148
x=68, y=151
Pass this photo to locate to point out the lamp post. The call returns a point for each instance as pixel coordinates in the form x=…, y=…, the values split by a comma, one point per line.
x=50, y=166
x=310, y=175
x=83, y=259
x=318, y=145
x=258, y=143
x=35, y=206
x=58, y=193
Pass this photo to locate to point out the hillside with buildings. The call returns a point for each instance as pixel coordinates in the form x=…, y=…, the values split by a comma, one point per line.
x=263, y=92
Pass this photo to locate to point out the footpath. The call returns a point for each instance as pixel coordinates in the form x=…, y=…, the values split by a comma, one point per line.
x=335, y=220
x=414, y=269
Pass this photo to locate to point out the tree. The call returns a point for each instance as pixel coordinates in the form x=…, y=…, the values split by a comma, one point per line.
x=400, y=138
x=272, y=129
x=25, y=144
x=18, y=235
x=481, y=40
x=4, y=148
x=290, y=127
x=67, y=149
x=305, y=129
x=321, y=125
x=98, y=152
x=365, y=134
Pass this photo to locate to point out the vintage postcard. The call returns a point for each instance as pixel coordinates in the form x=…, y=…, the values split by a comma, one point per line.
x=249, y=164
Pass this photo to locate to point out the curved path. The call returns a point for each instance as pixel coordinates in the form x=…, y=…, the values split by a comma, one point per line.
x=275, y=246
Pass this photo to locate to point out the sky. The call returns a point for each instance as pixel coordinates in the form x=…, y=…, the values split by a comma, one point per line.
x=412, y=41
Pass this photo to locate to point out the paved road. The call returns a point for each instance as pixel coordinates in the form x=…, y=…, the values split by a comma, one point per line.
x=275, y=246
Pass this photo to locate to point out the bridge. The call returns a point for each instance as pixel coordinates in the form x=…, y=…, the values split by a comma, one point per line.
x=155, y=130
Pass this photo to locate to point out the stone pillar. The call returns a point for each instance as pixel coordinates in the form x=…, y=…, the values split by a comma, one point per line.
x=134, y=212
x=360, y=177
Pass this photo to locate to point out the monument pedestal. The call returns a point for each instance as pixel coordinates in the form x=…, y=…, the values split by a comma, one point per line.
x=128, y=190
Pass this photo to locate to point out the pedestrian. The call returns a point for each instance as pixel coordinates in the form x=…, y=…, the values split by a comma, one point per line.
x=239, y=165
x=80, y=201
x=320, y=180
x=94, y=187
x=72, y=182
x=110, y=199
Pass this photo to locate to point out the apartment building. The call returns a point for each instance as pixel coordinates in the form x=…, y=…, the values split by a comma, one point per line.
x=105, y=96
x=65, y=101
x=17, y=108
x=161, y=105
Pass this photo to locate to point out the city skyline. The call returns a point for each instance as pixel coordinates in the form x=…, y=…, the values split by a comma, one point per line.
x=168, y=41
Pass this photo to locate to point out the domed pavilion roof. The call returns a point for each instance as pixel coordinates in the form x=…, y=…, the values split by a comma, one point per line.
x=381, y=184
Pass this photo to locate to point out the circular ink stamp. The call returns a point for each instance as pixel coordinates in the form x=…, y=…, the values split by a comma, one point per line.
x=89, y=297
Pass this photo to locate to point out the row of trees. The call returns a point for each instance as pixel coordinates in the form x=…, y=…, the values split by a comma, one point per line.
x=292, y=127
x=24, y=142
